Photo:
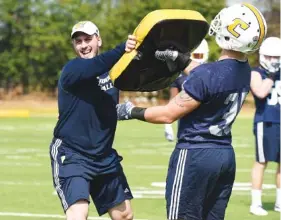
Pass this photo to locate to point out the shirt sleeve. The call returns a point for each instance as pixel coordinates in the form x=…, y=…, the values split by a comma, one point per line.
x=80, y=69
x=174, y=84
x=196, y=88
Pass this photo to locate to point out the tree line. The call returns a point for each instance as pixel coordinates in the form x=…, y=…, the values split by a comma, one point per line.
x=35, y=34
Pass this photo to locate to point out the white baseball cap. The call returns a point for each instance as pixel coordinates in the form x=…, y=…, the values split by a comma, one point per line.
x=86, y=27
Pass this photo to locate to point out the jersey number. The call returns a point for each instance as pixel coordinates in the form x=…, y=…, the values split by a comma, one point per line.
x=275, y=94
x=237, y=23
x=228, y=118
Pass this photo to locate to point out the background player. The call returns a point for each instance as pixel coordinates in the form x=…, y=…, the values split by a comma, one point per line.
x=266, y=88
x=198, y=56
x=83, y=161
x=202, y=167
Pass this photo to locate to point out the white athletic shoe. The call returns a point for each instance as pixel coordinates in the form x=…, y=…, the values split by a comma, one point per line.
x=277, y=208
x=258, y=210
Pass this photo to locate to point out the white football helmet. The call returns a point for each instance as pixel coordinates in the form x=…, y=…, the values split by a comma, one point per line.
x=270, y=54
x=240, y=27
x=201, y=53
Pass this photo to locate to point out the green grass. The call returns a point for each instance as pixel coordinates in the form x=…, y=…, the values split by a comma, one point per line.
x=26, y=183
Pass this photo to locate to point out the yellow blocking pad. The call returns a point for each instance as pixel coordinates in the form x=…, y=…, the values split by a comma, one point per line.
x=146, y=25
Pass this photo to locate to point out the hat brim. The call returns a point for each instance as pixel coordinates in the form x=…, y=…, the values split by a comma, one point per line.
x=83, y=31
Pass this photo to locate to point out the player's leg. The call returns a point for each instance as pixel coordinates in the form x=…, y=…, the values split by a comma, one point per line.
x=111, y=193
x=217, y=201
x=277, y=206
x=258, y=169
x=190, y=176
x=72, y=191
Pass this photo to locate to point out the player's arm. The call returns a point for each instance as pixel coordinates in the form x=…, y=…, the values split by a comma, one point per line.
x=177, y=107
x=260, y=87
x=194, y=92
x=190, y=67
x=173, y=92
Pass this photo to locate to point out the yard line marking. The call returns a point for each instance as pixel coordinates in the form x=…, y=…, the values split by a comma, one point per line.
x=17, y=157
x=160, y=167
x=249, y=170
x=10, y=164
x=236, y=187
x=35, y=183
x=21, y=214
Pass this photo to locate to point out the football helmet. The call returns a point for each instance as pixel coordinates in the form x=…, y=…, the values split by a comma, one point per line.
x=240, y=27
x=201, y=53
x=270, y=54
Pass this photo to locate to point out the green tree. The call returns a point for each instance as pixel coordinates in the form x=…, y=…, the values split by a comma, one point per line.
x=35, y=35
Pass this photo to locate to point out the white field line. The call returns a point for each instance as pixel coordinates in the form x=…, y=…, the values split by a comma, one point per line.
x=238, y=186
x=17, y=183
x=165, y=167
x=18, y=164
x=21, y=214
x=40, y=127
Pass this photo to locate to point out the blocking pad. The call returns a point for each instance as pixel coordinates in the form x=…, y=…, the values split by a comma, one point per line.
x=139, y=70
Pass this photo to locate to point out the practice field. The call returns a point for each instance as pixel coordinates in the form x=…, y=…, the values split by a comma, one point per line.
x=26, y=189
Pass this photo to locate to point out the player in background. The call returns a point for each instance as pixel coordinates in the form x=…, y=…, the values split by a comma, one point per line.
x=83, y=161
x=266, y=89
x=202, y=166
x=198, y=56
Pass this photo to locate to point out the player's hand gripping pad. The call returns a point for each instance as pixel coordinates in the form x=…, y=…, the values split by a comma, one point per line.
x=147, y=68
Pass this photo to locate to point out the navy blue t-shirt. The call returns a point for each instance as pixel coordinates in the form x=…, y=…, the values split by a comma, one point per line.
x=221, y=88
x=268, y=109
x=87, y=107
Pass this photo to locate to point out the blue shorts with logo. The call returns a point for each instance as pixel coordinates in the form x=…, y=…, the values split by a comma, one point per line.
x=267, y=138
x=72, y=181
x=199, y=183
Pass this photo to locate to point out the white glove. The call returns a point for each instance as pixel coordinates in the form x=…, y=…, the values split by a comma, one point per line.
x=169, y=133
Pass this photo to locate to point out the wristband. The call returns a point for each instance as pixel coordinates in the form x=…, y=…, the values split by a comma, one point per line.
x=138, y=113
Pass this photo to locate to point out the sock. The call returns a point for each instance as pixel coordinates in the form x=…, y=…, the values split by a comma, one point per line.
x=256, y=197
x=278, y=197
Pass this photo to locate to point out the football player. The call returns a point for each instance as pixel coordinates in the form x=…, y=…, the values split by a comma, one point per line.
x=202, y=166
x=266, y=88
x=198, y=56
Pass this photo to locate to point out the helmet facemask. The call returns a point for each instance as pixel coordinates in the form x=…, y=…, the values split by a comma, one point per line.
x=272, y=64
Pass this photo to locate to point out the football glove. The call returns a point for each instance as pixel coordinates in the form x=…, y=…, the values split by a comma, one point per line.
x=124, y=110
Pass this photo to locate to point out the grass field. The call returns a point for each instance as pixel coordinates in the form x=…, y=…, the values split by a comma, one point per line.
x=26, y=189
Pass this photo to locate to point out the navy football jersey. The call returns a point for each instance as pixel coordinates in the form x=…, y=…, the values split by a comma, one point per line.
x=221, y=88
x=87, y=107
x=268, y=109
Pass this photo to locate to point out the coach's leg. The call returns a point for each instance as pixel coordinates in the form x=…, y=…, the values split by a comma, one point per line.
x=278, y=190
x=78, y=211
x=257, y=180
x=122, y=211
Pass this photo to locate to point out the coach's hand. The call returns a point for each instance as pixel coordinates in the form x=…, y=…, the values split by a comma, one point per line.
x=124, y=110
x=131, y=43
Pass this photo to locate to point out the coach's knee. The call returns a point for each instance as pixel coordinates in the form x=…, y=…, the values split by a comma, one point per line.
x=126, y=215
x=122, y=211
x=78, y=211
